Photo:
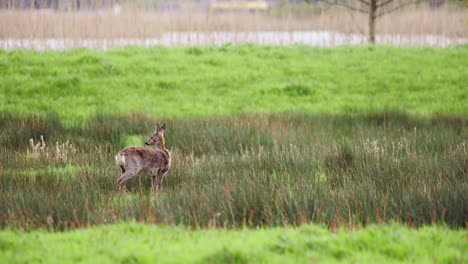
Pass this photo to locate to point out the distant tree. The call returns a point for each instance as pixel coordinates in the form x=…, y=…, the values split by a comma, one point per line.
x=374, y=8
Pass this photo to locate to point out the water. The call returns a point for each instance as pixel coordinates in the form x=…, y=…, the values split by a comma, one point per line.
x=314, y=38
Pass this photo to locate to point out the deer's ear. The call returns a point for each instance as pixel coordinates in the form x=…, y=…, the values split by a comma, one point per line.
x=156, y=128
x=163, y=126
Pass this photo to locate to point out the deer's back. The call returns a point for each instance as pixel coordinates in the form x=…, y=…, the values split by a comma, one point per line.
x=145, y=159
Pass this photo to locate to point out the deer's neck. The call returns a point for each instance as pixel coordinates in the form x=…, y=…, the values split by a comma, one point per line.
x=161, y=144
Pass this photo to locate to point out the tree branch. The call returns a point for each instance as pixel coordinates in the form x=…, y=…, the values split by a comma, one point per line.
x=364, y=2
x=384, y=12
x=344, y=4
x=384, y=3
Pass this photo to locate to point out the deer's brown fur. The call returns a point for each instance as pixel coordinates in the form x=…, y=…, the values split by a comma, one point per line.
x=155, y=162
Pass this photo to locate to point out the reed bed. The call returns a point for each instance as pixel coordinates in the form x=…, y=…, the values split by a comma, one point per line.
x=244, y=170
x=142, y=24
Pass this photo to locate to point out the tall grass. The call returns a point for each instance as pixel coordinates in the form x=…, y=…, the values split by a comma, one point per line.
x=245, y=170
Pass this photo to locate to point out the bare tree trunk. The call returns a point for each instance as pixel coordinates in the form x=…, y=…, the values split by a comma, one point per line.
x=372, y=20
x=374, y=8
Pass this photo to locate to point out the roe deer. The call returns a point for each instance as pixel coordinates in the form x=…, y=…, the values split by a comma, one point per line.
x=155, y=162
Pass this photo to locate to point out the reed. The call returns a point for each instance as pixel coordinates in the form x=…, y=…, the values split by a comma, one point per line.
x=141, y=24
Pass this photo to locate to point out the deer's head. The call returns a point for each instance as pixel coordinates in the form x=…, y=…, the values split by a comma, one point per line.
x=157, y=138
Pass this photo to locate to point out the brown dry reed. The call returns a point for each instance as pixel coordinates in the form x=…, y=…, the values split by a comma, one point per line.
x=141, y=23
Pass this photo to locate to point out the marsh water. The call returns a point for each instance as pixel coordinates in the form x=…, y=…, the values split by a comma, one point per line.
x=313, y=38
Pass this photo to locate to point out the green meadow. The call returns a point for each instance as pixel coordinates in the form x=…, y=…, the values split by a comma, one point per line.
x=136, y=243
x=228, y=80
x=280, y=154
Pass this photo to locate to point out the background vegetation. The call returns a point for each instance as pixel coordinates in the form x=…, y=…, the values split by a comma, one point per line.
x=149, y=19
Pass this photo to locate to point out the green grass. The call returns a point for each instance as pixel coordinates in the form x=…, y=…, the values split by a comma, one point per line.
x=136, y=243
x=200, y=81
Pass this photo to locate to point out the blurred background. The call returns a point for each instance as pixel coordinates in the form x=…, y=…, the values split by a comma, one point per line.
x=102, y=24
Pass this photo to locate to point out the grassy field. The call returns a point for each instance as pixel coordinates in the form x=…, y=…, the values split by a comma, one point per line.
x=135, y=243
x=262, y=137
x=200, y=81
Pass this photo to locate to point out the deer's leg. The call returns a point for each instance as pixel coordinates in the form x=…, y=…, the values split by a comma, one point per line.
x=161, y=174
x=127, y=175
x=153, y=182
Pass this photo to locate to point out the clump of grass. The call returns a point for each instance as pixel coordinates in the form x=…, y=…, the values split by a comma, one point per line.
x=62, y=151
x=38, y=149
x=247, y=170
